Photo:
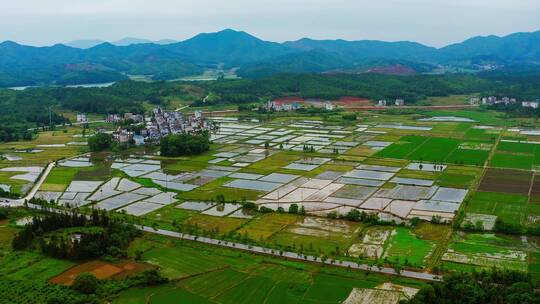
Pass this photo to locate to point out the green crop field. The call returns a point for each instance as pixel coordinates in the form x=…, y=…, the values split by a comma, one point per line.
x=405, y=246
x=509, y=207
x=402, y=148
x=468, y=157
x=517, y=161
x=211, y=274
x=59, y=179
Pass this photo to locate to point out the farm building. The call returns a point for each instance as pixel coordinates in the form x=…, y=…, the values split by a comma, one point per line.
x=530, y=104
x=285, y=104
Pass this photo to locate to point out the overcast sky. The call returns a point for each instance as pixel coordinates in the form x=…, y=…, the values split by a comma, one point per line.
x=432, y=22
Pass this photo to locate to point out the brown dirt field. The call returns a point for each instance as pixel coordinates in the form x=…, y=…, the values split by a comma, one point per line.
x=535, y=191
x=508, y=181
x=101, y=270
x=354, y=102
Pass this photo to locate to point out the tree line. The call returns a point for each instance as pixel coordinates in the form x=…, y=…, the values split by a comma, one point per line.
x=494, y=286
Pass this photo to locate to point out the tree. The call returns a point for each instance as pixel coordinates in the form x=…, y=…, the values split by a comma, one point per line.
x=100, y=142
x=184, y=144
x=152, y=277
x=293, y=209
x=85, y=283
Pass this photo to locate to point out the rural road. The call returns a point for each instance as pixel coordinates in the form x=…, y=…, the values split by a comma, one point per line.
x=73, y=124
x=255, y=249
x=293, y=255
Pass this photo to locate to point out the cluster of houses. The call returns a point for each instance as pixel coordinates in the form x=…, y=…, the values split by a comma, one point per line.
x=295, y=103
x=492, y=100
x=82, y=118
x=159, y=124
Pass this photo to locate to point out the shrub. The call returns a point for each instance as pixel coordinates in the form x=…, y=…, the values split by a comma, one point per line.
x=85, y=283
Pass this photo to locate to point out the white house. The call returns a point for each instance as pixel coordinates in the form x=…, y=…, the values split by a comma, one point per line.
x=530, y=104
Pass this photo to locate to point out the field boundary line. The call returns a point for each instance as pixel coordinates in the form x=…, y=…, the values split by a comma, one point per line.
x=201, y=273
x=530, y=188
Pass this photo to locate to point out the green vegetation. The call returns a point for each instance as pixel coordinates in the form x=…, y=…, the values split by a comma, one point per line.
x=480, y=287
x=97, y=236
x=184, y=144
x=100, y=142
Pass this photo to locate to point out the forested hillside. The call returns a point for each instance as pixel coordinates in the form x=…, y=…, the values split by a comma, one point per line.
x=24, y=109
x=22, y=65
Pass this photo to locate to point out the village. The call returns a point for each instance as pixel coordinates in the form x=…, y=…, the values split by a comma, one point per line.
x=140, y=129
x=492, y=100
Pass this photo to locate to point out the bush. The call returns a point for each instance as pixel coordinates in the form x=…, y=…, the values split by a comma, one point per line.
x=152, y=277
x=85, y=283
x=264, y=209
x=293, y=209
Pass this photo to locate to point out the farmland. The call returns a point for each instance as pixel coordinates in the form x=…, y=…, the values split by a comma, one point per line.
x=387, y=191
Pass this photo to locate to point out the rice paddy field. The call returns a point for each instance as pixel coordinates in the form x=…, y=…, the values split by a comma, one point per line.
x=225, y=276
x=439, y=168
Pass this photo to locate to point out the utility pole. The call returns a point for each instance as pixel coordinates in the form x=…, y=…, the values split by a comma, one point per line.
x=50, y=118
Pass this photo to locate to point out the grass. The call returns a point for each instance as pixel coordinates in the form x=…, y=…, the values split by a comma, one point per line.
x=516, y=147
x=264, y=226
x=479, y=247
x=445, y=101
x=534, y=264
x=252, y=290
x=24, y=265
x=227, y=276
x=172, y=296
x=511, y=208
x=434, y=149
x=309, y=243
x=468, y=157
x=177, y=262
x=59, y=179
x=515, y=161
x=16, y=184
x=459, y=177
x=222, y=225
x=169, y=214
x=405, y=246
x=272, y=163
x=402, y=148
x=214, y=283
x=49, y=154
x=432, y=232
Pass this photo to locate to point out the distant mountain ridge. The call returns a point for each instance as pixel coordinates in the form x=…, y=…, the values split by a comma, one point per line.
x=89, y=43
x=62, y=64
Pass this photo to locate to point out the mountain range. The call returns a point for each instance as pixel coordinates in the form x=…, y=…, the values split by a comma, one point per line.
x=90, y=43
x=62, y=64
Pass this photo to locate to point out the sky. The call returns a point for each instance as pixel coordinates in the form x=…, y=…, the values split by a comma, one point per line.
x=431, y=22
